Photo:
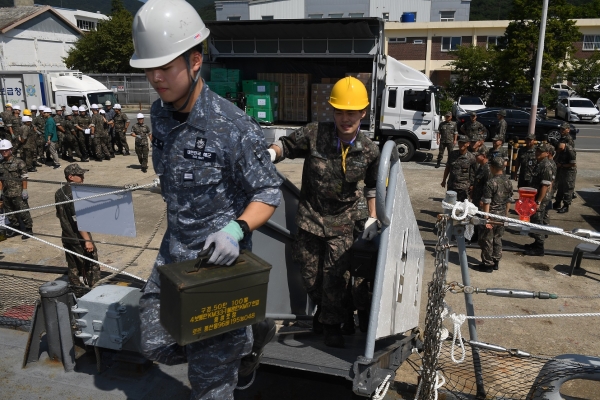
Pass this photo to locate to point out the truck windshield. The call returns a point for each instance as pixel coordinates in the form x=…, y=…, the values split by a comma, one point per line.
x=101, y=97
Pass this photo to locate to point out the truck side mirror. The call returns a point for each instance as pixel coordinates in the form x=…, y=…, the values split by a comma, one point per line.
x=428, y=107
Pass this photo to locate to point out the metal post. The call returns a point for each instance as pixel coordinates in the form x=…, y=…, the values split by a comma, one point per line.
x=538, y=68
x=55, y=306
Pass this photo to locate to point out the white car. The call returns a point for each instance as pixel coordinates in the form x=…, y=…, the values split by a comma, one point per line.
x=562, y=86
x=577, y=109
x=466, y=104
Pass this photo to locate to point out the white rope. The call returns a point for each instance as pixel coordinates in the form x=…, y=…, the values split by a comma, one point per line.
x=574, y=315
x=249, y=384
x=382, y=389
x=457, y=321
x=439, y=382
x=67, y=251
x=126, y=189
x=462, y=206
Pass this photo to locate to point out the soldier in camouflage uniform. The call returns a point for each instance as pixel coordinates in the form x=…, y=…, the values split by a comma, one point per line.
x=60, y=131
x=473, y=129
x=80, y=137
x=82, y=124
x=13, y=186
x=542, y=181
x=70, y=142
x=565, y=135
x=566, y=172
x=498, y=150
x=99, y=135
x=27, y=138
x=141, y=133
x=73, y=239
x=551, y=155
x=525, y=163
x=39, y=124
x=460, y=169
x=500, y=129
x=446, y=137
x=109, y=115
x=497, y=196
x=15, y=127
x=482, y=175
x=6, y=115
x=121, y=123
x=217, y=181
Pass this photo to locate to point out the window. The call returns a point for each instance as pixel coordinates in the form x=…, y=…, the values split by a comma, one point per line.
x=85, y=25
x=397, y=40
x=447, y=16
x=417, y=41
x=392, y=95
x=451, y=43
x=357, y=15
x=416, y=101
x=315, y=15
x=591, y=42
x=386, y=16
x=234, y=18
x=268, y=17
x=76, y=101
x=336, y=15
x=492, y=41
x=516, y=114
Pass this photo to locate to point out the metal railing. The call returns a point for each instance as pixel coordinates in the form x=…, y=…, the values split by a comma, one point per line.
x=132, y=89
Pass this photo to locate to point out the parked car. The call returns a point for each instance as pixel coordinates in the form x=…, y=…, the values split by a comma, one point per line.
x=523, y=102
x=466, y=104
x=517, y=124
x=577, y=109
x=562, y=86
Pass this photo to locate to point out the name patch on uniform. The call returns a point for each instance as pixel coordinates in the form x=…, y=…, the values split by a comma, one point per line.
x=194, y=154
x=200, y=143
x=159, y=144
x=188, y=176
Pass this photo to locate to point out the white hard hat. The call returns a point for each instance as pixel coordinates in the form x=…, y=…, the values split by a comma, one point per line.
x=102, y=112
x=33, y=108
x=26, y=118
x=68, y=112
x=94, y=106
x=47, y=110
x=17, y=107
x=107, y=103
x=75, y=108
x=82, y=108
x=117, y=106
x=163, y=30
x=140, y=115
x=5, y=144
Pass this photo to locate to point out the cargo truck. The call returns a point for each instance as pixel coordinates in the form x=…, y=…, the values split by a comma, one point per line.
x=48, y=88
x=403, y=105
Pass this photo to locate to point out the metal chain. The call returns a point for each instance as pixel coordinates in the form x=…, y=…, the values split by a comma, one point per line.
x=433, y=319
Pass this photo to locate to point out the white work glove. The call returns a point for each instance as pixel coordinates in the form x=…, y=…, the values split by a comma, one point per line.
x=87, y=131
x=227, y=248
x=92, y=136
x=371, y=227
x=25, y=195
x=273, y=154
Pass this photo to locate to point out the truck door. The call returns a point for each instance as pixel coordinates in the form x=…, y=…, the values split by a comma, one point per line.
x=417, y=115
x=12, y=90
x=390, y=109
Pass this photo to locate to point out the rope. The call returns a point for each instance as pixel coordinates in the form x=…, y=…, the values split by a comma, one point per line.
x=382, y=389
x=139, y=253
x=249, y=384
x=126, y=189
x=457, y=321
x=467, y=210
x=131, y=246
x=574, y=315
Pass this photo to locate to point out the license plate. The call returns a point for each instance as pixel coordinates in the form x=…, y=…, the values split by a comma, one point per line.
x=586, y=117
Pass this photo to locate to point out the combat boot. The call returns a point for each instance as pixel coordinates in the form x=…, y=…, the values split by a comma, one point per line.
x=556, y=205
x=263, y=333
x=29, y=231
x=349, y=327
x=317, y=325
x=333, y=336
x=564, y=209
x=438, y=163
x=32, y=169
x=535, y=250
x=144, y=170
x=10, y=233
x=496, y=265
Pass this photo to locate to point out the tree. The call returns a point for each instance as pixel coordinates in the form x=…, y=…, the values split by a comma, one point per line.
x=116, y=6
x=107, y=49
x=473, y=67
x=586, y=73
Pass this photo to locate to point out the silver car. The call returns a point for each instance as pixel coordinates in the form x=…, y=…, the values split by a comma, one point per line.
x=577, y=109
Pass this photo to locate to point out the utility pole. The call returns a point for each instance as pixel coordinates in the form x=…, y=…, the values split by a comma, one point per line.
x=538, y=69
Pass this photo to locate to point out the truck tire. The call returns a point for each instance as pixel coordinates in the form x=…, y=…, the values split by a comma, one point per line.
x=406, y=149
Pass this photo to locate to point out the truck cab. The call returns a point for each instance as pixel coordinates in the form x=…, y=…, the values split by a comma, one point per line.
x=75, y=89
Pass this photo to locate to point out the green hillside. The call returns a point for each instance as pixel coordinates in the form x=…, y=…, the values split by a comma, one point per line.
x=482, y=10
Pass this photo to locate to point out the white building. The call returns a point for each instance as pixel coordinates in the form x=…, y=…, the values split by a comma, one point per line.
x=84, y=20
x=34, y=38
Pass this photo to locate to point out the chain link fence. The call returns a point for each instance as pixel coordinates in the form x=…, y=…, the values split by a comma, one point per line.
x=131, y=89
x=17, y=300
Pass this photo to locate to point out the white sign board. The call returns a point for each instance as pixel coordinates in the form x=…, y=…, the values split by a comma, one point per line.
x=111, y=214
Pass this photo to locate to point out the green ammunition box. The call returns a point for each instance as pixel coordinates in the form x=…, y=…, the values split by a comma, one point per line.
x=233, y=75
x=198, y=301
x=260, y=101
x=261, y=87
x=218, y=75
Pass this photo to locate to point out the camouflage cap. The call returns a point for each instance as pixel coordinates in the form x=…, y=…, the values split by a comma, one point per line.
x=502, y=112
x=530, y=136
x=565, y=125
x=463, y=139
x=481, y=151
x=497, y=162
x=543, y=147
x=497, y=138
x=473, y=114
x=74, y=169
x=448, y=114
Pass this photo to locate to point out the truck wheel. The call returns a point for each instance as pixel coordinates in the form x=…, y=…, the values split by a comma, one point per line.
x=553, y=135
x=406, y=150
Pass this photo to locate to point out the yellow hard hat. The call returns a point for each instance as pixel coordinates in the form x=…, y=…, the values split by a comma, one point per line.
x=349, y=94
x=27, y=111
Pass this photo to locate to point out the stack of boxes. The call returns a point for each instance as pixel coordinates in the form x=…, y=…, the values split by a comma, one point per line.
x=262, y=100
x=321, y=110
x=366, y=79
x=276, y=78
x=224, y=81
x=296, y=95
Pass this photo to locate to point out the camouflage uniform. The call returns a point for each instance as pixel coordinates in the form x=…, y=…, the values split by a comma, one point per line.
x=72, y=240
x=121, y=121
x=142, y=132
x=482, y=176
x=83, y=122
x=462, y=173
x=15, y=122
x=474, y=130
x=568, y=139
x=4, y=132
x=40, y=125
x=447, y=131
x=499, y=152
x=527, y=164
x=500, y=129
x=100, y=136
x=71, y=145
x=330, y=208
x=12, y=191
x=59, y=120
x=28, y=135
x=565, y=176
x=109, y=115
x=211, y=166
x=497, y=193
x=542, y=176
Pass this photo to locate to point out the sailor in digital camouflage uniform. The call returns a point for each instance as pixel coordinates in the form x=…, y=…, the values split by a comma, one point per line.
x=82, y=273
x=141, y=133
x=332, y=209
x=216, y=178
x=500, y=128
x=460, y=169
x=446, y=137
x=473, y=129
x=525, y=163
x=13, y=189
x=496, y=199
x=542, y=181
x=566, y=172
x=565, y=134
x=99, y=134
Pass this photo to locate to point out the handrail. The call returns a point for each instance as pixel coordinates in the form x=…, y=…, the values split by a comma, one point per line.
x=387, y=178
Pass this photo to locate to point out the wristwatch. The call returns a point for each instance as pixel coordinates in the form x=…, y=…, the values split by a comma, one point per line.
x=244, y=225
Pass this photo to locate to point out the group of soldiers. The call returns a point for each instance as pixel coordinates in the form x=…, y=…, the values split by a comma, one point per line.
x=477, y=172
x=98, y=133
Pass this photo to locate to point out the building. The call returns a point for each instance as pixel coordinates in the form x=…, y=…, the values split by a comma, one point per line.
x=426, y=46
x=34, y=38
x=389, y=10
x=84, y=20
